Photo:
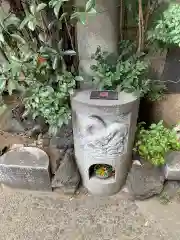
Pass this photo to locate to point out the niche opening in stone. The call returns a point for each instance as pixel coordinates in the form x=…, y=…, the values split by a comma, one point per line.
x=102, y=171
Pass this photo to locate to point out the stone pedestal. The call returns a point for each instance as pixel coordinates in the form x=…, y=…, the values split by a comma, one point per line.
x=101, y=29
x=104, y=134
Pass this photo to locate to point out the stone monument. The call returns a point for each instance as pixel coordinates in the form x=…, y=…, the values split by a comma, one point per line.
x=104, y=134
x=26, y=168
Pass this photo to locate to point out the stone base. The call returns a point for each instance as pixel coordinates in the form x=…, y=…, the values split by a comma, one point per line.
x=26, y=168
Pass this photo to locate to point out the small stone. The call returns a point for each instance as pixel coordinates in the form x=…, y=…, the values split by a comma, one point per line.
x=171, y=188
x=55, y=156
x=26, y=168
x=67, y=176
x=172, y=167
x=144, y=181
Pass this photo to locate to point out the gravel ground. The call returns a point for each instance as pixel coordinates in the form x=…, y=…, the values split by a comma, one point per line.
x=35, y=216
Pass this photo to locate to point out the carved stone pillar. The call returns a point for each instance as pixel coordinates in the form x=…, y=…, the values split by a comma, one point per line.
x=99, y=30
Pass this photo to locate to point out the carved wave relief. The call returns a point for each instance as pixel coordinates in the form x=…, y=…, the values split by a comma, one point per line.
x=101, y=138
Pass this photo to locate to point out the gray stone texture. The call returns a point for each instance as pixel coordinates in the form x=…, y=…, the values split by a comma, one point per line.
x=64, y=137
x=55, y=156
x=172, y=167
x=171, y=189
x=8, y=123
x=67, y=175
x=26, y=168
x=144, y=181
x=102, y=30
x=35, y=216
x=104, y=134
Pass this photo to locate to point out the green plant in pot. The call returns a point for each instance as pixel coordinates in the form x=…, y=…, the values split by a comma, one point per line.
x=126, y=71
x=153, y=143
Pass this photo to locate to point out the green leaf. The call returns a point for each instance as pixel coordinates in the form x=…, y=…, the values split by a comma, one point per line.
x=41, y=6
x=41, y=37
x=11, y=86
x=69, y=53
x=31, y=25
x=53, y=3
x=75, y=15
x=24, y=22
x=2, y=84
x=55, y=63
x=90, y=4
x=57, y=8
x=32, y=9
x=63, y=16
x=1, y=38
x=79, y=78
x=82, y=18
x=18, y=38
x=92, y=12
x=12, y=20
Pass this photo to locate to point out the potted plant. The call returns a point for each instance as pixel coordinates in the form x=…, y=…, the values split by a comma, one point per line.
x=153, y=143
x=126, y=71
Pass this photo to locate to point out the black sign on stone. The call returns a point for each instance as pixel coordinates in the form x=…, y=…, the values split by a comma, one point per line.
x=105, y=95
x=171, y=73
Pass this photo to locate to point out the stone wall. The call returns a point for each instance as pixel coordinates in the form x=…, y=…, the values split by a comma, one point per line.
x=167, y=68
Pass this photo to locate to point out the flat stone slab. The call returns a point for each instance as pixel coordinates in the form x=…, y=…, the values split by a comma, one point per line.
x=25, y=167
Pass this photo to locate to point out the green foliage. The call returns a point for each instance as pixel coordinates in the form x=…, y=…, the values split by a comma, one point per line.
x=32, y=44
x=52, y=103
x=152, y=144
x=167, y=28
x=126, y=71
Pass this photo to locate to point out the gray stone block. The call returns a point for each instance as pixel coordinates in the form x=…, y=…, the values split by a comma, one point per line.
x=25, y=167
x=172, y=167
x=67, y=176
x=144, y=181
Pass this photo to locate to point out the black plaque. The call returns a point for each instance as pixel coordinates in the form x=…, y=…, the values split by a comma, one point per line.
x=105, y=95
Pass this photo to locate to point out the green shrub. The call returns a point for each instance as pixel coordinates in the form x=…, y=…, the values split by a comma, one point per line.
x=152, y=144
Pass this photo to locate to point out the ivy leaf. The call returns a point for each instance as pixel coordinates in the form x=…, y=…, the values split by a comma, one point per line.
x=90, y=4
x=11, y=86
x=18, y=38
x=41, y=6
